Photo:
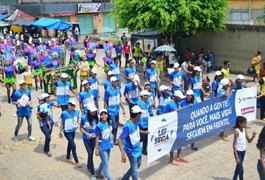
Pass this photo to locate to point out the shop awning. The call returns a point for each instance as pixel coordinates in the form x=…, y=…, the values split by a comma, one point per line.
x=49, y=23
x=22, y=22
x=3, y=16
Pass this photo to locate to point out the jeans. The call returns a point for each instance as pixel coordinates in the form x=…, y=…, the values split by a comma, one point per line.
x=114, y=123
x=239, y=167
x=71, y=146
x=119, y=57
x=260, y=170
x=144, y=138
x=19, y=124
x=104, y=156
x=47, y=133
x=135, y=164
x=90, y=146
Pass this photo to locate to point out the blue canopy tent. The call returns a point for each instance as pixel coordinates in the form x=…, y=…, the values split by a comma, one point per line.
x=3, y=16
x=48, y=23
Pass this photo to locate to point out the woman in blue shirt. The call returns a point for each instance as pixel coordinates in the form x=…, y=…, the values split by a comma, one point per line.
x=164, y=97
x=239, y=82
x=215, y=84
x=87, y=127
x=69, y=124
x=103, y=143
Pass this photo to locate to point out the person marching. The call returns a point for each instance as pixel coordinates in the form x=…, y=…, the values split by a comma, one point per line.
x=36, y=67
x=83, y=66
x=177, y=79
x=86, y=97
x=215, y=84
x=152, y=77
x=94, y=85
x=87, y=127
x=69, y=124
x=27, y=77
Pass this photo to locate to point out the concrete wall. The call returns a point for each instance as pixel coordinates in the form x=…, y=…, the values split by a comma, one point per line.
x=238, y=44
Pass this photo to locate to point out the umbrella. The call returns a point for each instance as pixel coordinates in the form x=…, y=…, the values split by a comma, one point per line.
x=165, y=48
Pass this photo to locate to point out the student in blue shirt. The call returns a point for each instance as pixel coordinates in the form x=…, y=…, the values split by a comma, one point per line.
x=224, y=90
x=88, y=128
x=44, y=114
x=239, y=82
x=118, y=50
x=131, y=93
x=69, y=125
x=107, y=82
x=112, y=102
x=129, y=72
x=23, y=111
x=151, y=98
x=103, y=144
x=163, y=97
x=114, y=67
x=176, y=78
x=215, y=84
x=129, y=143
x=86, y=97
x=94, y=85
x=63, y=89
x=152, y=77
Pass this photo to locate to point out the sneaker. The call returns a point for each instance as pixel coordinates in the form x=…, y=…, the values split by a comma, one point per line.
x=99, y=176
x=30, y=138
x=93, y=177
x=15, y=138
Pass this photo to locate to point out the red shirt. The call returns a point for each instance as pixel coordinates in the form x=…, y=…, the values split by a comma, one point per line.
x=262, y=73
x=126, y=49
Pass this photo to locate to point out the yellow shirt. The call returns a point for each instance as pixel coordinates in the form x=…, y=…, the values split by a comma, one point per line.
x=137, y=51
x=84, y=67
x=27, y=77
x=262, y=88
x=160, y=64
x=226, y=73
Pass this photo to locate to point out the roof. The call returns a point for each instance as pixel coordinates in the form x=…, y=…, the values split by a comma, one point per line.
x=19, y=15
x=3, y=16
x=22, y=22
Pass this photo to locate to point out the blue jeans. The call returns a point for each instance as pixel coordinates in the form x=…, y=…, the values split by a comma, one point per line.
x=104, y=156
x=19, y=124
x=135, y=164
x=47, y=133
x=114, y=123
x=260, y=170
x=90, y=146
x=71, y=145
x=239, y=171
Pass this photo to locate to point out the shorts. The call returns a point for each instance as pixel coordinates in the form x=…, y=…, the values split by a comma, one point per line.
x=137, y=59
x=91, y=63
x=37, y=72
x=106, y=68
x=10, y=80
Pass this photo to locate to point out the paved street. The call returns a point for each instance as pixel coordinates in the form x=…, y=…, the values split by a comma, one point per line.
x=25, y=160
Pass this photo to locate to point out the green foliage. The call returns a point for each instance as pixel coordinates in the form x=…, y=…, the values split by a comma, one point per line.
x=171, y=16
x=261, y=18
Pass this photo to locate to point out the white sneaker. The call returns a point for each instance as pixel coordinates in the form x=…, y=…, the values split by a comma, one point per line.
x=30, y=138
x=15, y=138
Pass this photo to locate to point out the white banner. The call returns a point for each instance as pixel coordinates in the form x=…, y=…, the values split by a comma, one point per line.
x=163, y=133
x=246, y=103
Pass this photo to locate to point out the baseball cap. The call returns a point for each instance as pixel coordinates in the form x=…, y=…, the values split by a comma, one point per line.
x=110, y=73
x=240, y=76
x=136, y=109
x=144, y=92
x=44, y=95
x=224, y=82
x=91, y=107
x=72, y=102
x=147, y=83
x=21, y=82
x=113, y=78
x=153, y=62
x=189, y=92
x=197, y=68
x=94, y=70
x=85, y=82
x=218, y=73
x=176, y=65
x=103, y=111
x=179, y=94
x=163, y=87
x=64, y=75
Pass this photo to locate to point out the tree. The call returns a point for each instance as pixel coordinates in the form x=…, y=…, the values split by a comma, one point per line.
x=171, y=16
x=261, y=18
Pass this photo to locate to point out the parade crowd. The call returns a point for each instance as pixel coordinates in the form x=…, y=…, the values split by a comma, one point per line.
x=149, y=91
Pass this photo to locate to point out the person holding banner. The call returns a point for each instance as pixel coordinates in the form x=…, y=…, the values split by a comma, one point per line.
x=261, y=96
x=224, y=90
x=239, y=82
x=175, y=105
x=177, y=79
x=261, y=147
x=129, y=143
x=164, y=97
x=241, y=138
x=86, y=97
x=152, y=77
x=215, y=84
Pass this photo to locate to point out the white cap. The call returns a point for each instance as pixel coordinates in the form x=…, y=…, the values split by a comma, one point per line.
x=21, y=82
x=240, y=76
x=44, y=95
x=144, y=92
x=197, y=68
x=163, y=87
x=103, y=110
x=147, y=83
x=136, y=109
x=113, y=78
x=84, y=82
x=189, y=92
x=64, y=75
x=110, y=73
x=71, y=101
x=224, y=82
x=179, y=94
x=218, y=73
x=91, y=107
x=176, y=65
x=94, y=70
x=153, y=62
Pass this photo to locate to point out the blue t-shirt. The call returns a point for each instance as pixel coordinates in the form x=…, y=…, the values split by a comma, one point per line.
x=112, y=97
x=36, y=64
x=63, y=90
x=70, y=120
x=103, y=130
x=94, y=83
x=132, y=91
x=86, y=98
x=221, y=92
x=151, y=76
x=130, y=136
x=172, y=106
x=196, y=84
x=145, y=115
x=22, y=111
x=215, y=85
x=115, y=69
x=46, y=108
x=151, y=103
x=177, y=79
x=107, y=84
x=118, y=50
x=163, y=100
x=129, y=72
x=9, y=71
x=91, y=129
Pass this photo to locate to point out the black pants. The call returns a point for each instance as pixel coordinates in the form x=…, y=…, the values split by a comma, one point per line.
x=144, y=139
x=262, y=107
x=90, y=146
x=47, y=133
x=119, y=57
x=71, y=145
